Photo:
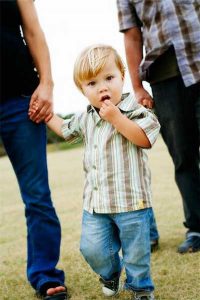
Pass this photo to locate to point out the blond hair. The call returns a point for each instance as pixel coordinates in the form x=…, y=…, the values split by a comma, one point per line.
x=92, y=60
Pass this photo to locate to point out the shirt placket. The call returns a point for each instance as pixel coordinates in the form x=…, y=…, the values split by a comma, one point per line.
x=94, y=165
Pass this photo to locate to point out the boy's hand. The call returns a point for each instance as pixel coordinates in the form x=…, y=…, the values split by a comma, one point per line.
x=48, y=118
x=109, y=112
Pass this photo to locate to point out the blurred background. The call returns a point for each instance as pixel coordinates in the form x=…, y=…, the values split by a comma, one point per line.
x=69, y=27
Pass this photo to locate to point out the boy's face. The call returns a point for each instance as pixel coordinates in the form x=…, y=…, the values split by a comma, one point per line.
x=108, y=84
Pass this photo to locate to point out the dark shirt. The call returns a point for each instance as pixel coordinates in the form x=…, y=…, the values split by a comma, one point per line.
x=17, y=73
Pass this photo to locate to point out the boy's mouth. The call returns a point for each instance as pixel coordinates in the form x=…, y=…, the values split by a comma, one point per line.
x=106, y=97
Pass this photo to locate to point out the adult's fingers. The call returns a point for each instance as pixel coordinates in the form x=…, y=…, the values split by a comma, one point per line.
x=48, y=118
x=147, y=102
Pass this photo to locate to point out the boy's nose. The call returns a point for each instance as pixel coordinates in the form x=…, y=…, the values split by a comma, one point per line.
x=102, y=87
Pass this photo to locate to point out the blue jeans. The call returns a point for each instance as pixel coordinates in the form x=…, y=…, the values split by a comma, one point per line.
x=25, y=144
x=154, y=235
x=103, y=235
x=178, y=111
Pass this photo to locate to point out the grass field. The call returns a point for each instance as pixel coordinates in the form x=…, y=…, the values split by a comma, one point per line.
x=177, y=277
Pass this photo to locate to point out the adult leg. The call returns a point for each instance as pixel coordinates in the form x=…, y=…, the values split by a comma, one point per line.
x=25, y=143
x=196, y=91
x=134, y=230
x=176, y=108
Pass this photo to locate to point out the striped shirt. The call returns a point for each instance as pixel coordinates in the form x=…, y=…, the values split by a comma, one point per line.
x=117, y=178
x=165, y=23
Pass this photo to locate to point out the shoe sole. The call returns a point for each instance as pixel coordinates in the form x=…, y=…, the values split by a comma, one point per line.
x=58, y=296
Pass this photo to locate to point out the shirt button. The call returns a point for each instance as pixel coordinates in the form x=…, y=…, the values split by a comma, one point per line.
x=95, y=188
x=94, y=167
x=95, y=146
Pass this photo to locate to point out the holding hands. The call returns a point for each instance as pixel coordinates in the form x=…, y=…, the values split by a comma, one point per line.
x=41, y=104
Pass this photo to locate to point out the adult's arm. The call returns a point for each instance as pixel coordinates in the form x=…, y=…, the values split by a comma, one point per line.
x=37, y=45
x=134, y=54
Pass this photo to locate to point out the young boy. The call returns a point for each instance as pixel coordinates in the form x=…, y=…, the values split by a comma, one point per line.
x=117, y=193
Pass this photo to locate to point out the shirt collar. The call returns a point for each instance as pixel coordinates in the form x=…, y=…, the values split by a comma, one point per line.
x=95, y=115
x=127, y=103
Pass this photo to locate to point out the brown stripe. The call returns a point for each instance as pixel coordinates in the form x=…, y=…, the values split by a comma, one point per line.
x=127, y=172
x=159, y=22
x=110, y=170
x=185, y=32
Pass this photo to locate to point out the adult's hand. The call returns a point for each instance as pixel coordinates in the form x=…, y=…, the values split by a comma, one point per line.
x=144, y=98
x=43, y=96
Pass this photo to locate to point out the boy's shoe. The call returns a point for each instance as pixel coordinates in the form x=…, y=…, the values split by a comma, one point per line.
x=143, y=296
x=191, y=244
x=154, y=245
x=110, y=287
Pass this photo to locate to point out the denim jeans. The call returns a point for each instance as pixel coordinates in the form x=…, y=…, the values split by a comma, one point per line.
x=25, y=143
x=154, y=235
x=103, y=235
x=178, y=111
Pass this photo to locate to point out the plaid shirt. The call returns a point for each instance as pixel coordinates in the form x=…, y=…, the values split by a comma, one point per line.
x=165, y=23
x=117, y=178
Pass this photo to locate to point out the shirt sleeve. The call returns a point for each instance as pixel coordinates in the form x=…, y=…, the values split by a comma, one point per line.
x=127, y=16
x=147, y=121
x=71, y=129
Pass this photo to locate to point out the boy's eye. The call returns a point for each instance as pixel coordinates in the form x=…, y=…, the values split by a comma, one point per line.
x=91, y=83
x=109, y=77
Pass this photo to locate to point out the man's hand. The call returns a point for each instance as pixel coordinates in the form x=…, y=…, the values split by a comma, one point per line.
x=144, y=98
x=109, y=112
x=43, y=96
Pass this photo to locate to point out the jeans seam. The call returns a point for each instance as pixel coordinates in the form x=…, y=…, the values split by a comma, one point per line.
x=110, y=248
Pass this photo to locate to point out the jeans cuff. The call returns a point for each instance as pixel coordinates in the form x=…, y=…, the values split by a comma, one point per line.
x=193, y=233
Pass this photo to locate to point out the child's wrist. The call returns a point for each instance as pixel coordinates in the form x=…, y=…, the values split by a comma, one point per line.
x=118, y=120
x=48, y=118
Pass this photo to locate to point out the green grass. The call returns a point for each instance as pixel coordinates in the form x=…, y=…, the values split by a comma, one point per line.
x=177, y=277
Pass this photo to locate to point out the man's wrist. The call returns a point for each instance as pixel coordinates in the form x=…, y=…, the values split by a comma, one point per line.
x=137, y=86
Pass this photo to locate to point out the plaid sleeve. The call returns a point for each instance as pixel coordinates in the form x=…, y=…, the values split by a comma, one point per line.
x=71, y=129
x=127, y=16
x=147, y=121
